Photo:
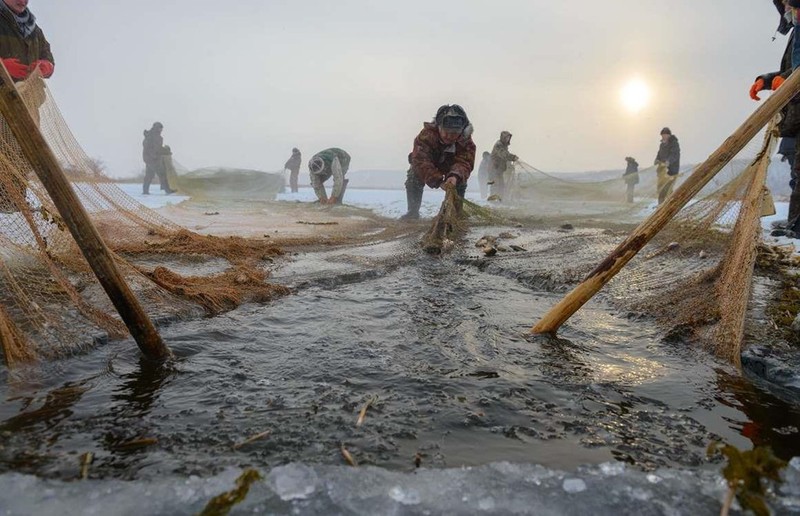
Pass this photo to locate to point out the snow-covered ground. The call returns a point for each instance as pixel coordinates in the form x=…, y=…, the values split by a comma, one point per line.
x=782, y=211
x=388, y=203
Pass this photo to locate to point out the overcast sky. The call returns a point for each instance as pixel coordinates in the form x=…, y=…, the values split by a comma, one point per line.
x=239, y=83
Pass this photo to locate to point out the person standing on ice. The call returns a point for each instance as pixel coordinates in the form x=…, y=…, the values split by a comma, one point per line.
x=443, y=153
x=483, y=173
x=631, y=177
x=789, y=126
x=293, y=166
x=668, y=161
x=501, y=158
x=324, y=164
x=153, y=152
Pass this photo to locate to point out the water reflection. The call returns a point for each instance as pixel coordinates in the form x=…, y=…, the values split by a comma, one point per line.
x=771, y=421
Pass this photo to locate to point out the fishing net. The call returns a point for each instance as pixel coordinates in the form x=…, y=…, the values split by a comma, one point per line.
x=220, y=183
x=447, y=226
x=694, y=278
x=50, y=302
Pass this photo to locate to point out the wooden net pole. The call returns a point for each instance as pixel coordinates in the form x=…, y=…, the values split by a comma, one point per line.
x=581, y=294
x=47, y=168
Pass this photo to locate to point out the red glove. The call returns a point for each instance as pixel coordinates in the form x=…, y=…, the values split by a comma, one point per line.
x=435, y=181
x=755, y=88
x=15, y=68
x=45, y=67
x=777, y=81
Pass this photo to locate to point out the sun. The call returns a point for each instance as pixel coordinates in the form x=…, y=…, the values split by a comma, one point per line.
x=635, y=95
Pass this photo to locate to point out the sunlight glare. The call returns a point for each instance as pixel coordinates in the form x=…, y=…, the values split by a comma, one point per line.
x=635, y=95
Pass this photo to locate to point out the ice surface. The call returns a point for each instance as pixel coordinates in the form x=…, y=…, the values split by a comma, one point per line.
x=501, y=488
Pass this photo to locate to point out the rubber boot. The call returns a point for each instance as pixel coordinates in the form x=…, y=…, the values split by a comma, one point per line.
x=414, y=189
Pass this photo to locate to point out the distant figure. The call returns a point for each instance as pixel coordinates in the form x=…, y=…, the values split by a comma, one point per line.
x=293, y=166
x=443, y=153
x=483, y=173
x=501, y=157
x=153, y=152
x=631, y=176
x=23, y=49
x=668, y=161
x=324, y=164
x=788, y=149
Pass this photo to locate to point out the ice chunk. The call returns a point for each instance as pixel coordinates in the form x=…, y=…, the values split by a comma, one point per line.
x=612, y=469
x=293, y=481
x=404, y=496
x=574, y=485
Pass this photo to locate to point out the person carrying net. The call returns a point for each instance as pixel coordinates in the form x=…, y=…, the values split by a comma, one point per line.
x=502, y=163
x=443, y=153
x=153, y=152
x=668, y=163
x=631, y=177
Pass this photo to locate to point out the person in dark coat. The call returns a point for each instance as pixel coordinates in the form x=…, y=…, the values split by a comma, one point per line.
x=23, y=47
x=443, y=153
x=24, y=50
x=789, y=126
x=631, y=176
x=293, y=166
x=153, y=151
x=668, y=161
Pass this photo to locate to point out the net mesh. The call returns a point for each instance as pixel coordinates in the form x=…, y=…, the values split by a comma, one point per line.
x=50, y=303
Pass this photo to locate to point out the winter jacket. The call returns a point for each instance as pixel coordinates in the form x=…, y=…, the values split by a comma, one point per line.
x=294, y=162
x=631, y=174
x=501, y=155
x=790, y=122
x=152, y=147
x=669, y=152
x=434, y=161
x=328, y=156
x=317, y=178
x=13, y=45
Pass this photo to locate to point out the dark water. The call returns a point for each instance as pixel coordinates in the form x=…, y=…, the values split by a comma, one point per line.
x=441, y=343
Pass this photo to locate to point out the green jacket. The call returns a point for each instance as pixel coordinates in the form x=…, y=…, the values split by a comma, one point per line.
x=13, y=45
x=317, y=179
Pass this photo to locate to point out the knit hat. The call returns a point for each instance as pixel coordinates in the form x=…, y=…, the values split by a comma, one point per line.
x=665, y=131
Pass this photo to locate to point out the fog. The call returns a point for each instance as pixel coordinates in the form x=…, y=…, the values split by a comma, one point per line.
x=241, y=83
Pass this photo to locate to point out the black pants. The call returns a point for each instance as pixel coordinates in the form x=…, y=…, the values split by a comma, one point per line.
x=793, y=220
x=415, y=187
x=293, y=176
x=152, y=170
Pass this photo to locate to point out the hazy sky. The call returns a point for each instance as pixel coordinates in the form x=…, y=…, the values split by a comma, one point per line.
x=239, y=83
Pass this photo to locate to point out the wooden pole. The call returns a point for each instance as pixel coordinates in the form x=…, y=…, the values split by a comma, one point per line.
x=100, y=259
x=581, y=294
